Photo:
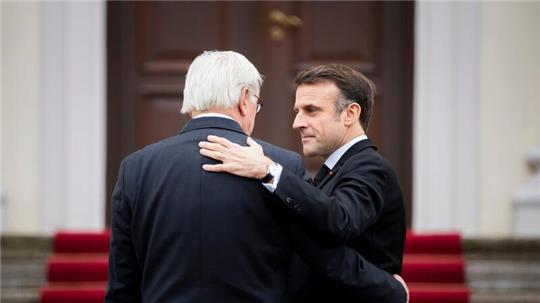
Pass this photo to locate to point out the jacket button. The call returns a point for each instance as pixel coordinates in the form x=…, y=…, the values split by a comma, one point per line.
x=288, y=199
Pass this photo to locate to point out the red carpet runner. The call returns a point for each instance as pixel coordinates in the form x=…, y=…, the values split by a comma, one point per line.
x=433, y=267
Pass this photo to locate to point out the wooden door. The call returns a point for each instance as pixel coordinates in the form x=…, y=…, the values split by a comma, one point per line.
x=151, y=44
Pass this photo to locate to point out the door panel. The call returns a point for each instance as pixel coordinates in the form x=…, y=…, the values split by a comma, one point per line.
x=324, y=38
x=151, y=44
x=347, y=33
x=171, y=34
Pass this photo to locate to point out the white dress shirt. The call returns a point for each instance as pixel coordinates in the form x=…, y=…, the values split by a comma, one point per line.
x=212, y=115
x=338, y=153
x=330, y=161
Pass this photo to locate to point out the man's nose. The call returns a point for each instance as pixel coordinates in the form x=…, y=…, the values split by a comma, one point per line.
x=298, y=122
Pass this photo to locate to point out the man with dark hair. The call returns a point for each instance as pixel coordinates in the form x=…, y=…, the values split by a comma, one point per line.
x=180, y=234
x=353, y=85
x=355, y=198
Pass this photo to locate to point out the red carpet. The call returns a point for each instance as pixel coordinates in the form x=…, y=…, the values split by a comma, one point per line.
x=438, y=244
x=70, y=242
x=434, y=269
x=72, y=268
x=73, y=292
x=438, y=293
x=77, y=271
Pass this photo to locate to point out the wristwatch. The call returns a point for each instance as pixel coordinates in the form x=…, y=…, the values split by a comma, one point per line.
x=271, y=172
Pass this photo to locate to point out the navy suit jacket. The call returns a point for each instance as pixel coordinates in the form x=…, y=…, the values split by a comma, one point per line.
x=180, y=234
x=358, y=204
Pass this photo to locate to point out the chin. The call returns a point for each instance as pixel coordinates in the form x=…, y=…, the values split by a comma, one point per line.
x=313, y=151
x=308, y=152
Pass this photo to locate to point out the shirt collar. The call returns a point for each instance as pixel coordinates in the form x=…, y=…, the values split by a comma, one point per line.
x=206, y=115
x=336, y=155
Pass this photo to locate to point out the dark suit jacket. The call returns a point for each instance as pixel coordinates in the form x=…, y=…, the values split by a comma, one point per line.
x=180, y=234
x=359, y=204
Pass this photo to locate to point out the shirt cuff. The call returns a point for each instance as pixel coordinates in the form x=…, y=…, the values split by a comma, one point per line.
x=272, y=186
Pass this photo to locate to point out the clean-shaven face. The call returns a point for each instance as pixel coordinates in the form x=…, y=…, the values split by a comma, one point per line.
x=321, y=129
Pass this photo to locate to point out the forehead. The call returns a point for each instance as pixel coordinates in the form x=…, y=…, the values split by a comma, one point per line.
x=321, y=94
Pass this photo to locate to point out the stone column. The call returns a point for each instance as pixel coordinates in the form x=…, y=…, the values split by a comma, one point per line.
x=526, y=210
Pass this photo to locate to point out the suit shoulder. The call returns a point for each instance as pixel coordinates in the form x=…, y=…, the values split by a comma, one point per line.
x=151, y=150
x=371, y=158
x=271, y=148
x=288, y=159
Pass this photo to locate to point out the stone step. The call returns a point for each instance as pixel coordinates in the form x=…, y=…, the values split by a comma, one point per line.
x=498, y=270
x=25, y=247
x=20, y=295
x=502, y=249
x=25, y=242
x=492, y=275
x=503, y=270
x=506, y=297
x=23, y=272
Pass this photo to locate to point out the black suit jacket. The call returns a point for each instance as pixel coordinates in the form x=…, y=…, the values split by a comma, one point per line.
x=180, y=234
x=359, y=204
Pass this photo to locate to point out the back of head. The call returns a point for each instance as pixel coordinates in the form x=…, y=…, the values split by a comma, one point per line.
x=215, y=80
x=353, y=85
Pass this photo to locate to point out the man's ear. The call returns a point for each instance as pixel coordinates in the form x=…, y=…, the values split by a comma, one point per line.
x=352, y=113
x=242, y=103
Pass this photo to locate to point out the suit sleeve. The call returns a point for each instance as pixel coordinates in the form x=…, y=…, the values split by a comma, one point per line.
x=347, y=270
x=341, y=265
x=124, y=276
x=356, y=202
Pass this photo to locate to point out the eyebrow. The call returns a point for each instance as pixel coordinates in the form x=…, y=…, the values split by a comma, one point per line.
x=307, y=105
x=311, y=105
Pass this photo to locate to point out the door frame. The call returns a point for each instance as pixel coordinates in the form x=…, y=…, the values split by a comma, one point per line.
x=395, y=129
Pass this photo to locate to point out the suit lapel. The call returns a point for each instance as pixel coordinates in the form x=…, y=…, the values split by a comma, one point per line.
x=325, y=179
x=355, y=149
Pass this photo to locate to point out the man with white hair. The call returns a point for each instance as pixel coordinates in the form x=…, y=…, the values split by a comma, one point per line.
x=181, y=234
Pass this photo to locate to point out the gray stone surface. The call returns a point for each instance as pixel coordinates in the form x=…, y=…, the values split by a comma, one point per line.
x=20, y=295
x=503, y=270
x=498, y=270
x=526, y=207
x=22, y=268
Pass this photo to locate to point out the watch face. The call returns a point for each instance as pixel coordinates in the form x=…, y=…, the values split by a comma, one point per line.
x=273, y=170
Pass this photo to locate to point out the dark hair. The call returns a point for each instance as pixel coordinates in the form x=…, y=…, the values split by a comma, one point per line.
x=353, y=85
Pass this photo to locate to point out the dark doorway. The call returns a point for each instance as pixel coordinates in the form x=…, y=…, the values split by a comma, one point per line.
x=151, y=44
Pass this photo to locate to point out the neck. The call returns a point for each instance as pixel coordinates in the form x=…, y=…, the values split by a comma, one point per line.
x=231, y=112
x=228, y=112
x=352, y=132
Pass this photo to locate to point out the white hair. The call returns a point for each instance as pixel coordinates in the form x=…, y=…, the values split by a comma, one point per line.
x=215, y=80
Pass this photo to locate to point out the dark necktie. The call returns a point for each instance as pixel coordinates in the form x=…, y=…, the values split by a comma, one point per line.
x=323, y=172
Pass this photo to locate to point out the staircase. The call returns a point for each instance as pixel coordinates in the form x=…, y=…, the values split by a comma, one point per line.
x=434, y=268
x=23, y=263
x=77, y=272
x=503, y=270
x=497, y=270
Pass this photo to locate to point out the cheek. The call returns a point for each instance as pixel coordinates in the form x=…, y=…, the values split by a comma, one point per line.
x=331, y=130
x=323, y=127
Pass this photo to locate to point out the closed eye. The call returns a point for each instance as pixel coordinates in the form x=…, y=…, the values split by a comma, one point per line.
x=311, y=109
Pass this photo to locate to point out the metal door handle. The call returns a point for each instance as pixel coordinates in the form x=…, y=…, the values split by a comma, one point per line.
x=280, y=18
